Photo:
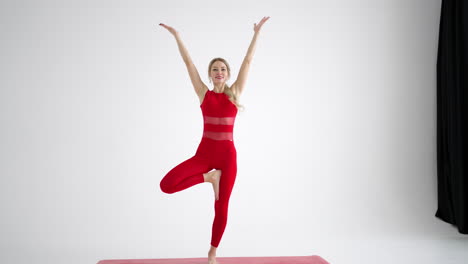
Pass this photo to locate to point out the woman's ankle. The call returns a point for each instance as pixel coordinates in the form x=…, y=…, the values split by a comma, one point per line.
x=212, y=251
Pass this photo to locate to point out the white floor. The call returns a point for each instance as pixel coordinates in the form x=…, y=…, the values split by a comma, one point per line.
x=430, y=249
x=383, y=251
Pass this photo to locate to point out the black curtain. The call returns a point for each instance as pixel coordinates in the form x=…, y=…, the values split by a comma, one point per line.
x=452, y=115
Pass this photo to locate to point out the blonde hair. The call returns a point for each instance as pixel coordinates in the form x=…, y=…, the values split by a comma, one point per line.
x=227, y=90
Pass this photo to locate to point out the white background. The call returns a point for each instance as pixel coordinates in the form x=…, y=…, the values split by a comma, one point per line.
x=337, y=140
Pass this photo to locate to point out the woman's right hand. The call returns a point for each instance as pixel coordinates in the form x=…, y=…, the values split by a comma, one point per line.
x=170, y=29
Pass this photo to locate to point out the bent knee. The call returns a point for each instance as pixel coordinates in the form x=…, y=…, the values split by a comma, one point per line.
x=165, y=188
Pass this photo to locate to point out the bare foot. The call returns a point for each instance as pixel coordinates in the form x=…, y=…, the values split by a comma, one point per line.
x=212, y=260
x=212, y=256
x=214, y=177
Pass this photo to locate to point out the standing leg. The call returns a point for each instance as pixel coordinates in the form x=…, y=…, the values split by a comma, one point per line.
x=228, y=177
x=185, y=175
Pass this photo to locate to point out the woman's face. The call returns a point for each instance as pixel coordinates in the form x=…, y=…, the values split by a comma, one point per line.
x=219, y=73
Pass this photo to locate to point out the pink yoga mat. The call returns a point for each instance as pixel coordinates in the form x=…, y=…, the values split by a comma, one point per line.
x=234, y=260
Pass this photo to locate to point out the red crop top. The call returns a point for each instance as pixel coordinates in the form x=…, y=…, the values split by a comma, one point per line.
x=219, y=114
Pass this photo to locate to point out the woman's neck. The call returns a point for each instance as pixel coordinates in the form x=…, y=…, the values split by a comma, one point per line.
x=218, y=89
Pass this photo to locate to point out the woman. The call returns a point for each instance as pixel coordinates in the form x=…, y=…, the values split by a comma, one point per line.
x=215, y=158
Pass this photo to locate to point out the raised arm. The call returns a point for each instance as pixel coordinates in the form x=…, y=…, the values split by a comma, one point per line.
x=239, y=84
x=198, y=85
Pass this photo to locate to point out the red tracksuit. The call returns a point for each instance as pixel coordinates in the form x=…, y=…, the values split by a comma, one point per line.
x=216, y=151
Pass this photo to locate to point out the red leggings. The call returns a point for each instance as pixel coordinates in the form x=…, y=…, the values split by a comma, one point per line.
x=211, y=154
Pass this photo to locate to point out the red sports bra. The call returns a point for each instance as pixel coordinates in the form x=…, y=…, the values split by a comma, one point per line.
x=219, y=114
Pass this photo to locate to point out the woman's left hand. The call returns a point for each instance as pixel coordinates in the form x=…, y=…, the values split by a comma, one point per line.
x=259, y=26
